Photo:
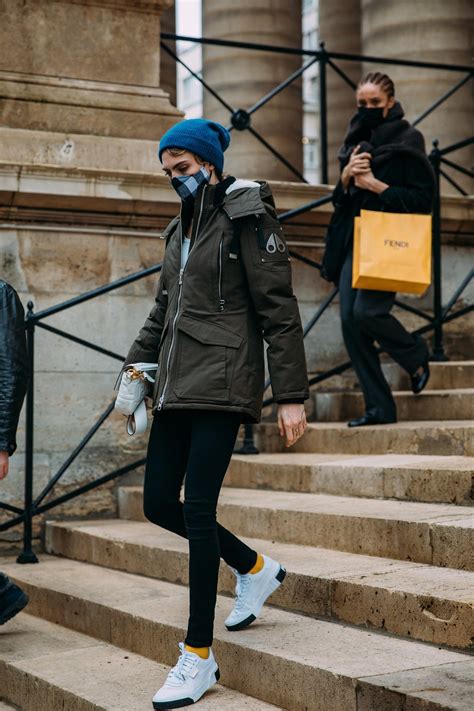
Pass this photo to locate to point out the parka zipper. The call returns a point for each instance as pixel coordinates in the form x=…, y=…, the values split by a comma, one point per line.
x=180, y=284
x=221, y=299
x=180, y=291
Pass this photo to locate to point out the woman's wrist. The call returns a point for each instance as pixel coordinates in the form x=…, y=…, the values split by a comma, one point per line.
x=378, y=186
x=345, y=178
x=293, y=401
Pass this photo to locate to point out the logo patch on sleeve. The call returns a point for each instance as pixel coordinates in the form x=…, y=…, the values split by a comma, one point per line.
x=275, y=243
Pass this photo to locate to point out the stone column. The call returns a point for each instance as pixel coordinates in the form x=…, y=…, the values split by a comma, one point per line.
x=168, y=64
x=88, y=67
x=438, y=31
x=339, y=28
x=242, y=77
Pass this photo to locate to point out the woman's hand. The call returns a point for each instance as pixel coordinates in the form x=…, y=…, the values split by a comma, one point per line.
x=3, y=464
x=291, y=422
x=359, y=164
x=368, y=181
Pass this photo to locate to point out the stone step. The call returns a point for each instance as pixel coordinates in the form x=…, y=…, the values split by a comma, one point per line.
x=437, y=534
x=8, y=707
x=444, y=438
x=411, y=477
x=449, y=375
x=290, y=660
x=429, y=405
x=409, y=599
x=45, y=667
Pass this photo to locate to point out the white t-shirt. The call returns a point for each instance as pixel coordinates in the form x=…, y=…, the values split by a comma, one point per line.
x=185, y=251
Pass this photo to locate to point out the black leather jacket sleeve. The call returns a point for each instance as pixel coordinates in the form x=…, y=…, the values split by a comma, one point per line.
x=13, y=365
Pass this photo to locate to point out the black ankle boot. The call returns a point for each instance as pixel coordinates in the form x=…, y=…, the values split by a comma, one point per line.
x=419, y=380
x=369, y=419
x=12, y=599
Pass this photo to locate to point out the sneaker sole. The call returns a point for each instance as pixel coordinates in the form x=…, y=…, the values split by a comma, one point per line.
x=280, y=576
x=14, y=609
x=188, y=701
x=242, y=625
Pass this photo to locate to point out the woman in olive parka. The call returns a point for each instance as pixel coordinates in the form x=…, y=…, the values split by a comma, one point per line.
x=225, y=288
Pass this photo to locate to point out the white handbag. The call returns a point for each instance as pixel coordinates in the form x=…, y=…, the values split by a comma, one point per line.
x=134, y=387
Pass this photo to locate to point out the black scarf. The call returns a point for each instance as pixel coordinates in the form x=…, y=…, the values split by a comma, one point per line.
x=394, y=135
x=393, y=129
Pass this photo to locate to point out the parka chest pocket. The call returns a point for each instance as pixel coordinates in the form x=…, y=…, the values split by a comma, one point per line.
x=205, y=360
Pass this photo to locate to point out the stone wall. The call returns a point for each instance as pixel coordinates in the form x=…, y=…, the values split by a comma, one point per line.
x=71, y=66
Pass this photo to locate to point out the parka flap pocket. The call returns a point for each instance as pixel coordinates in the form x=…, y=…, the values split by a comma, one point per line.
x=209, y=333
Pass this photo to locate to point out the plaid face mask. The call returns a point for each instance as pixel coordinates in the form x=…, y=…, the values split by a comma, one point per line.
x=187, y=185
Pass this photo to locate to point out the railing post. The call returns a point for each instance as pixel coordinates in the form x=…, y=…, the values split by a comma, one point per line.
x=438, y=353
x=248, y=445
x=323, y=119
x=27, y=555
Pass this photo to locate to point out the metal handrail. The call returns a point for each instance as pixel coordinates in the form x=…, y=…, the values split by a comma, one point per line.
x=94, y=293
x=301, y=51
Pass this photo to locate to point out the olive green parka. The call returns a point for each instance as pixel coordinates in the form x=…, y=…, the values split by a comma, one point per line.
x=210, y=320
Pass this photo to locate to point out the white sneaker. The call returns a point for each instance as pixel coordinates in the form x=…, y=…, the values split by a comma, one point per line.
x=251, y=592
x=187, y=681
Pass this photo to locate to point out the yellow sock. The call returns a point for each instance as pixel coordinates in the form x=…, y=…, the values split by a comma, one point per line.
x=258, y=565
x=202, y=652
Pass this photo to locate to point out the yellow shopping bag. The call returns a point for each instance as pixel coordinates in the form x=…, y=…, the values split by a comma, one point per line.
x=392, y=252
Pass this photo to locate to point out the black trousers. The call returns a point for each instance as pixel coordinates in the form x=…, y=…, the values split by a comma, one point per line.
x=198, y=443
x=366, y=317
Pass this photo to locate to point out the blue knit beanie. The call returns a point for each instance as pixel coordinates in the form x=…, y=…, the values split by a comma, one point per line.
x=205, y=138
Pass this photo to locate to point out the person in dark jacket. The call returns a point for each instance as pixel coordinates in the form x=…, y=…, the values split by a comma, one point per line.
x=225, y=287
x=13, y=383
x=384, y=168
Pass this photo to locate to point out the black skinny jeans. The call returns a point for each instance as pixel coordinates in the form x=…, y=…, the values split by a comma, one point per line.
x=366, y=317
x=198, y=443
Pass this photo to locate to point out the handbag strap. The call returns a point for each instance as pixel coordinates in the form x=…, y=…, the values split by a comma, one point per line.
x=138, y=422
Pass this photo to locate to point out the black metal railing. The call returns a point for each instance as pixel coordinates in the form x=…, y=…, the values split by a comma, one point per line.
x=240, y=119
x=35, y=506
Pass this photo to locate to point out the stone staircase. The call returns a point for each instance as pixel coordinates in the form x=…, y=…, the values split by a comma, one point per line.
x=375, y=528
x=448, y=396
